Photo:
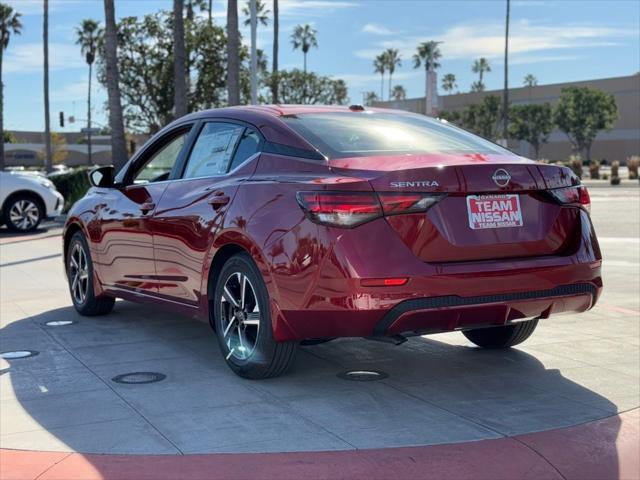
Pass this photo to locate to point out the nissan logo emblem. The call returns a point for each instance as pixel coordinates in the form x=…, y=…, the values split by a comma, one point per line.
x=501, y=177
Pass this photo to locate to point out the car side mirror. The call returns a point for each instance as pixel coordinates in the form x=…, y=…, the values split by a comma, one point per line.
x=102, y=177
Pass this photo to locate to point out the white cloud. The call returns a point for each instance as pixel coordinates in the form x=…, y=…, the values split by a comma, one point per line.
x=483, y=39
x=376, y=29
x=306, y=8
x=77, y=92
x=27, y=57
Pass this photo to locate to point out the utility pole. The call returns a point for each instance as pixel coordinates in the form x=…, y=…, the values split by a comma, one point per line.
x=47, y=126
x=505, y=96
x=254, y=53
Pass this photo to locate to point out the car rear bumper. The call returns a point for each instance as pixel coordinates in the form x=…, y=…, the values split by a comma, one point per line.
x=320, y=293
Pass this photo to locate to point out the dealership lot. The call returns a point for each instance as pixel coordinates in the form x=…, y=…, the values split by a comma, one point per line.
x=439, y=389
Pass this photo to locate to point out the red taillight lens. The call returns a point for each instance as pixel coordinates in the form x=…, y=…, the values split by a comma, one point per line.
x=578, y=196
x=394, y=203
x=340, y=209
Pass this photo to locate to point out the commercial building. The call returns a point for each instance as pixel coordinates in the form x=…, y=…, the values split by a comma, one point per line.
x=622, y=141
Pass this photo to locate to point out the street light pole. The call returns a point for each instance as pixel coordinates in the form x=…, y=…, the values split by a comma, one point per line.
x=254, y=53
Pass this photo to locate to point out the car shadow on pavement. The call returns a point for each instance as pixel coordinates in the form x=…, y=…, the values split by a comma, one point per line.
x=64, y=397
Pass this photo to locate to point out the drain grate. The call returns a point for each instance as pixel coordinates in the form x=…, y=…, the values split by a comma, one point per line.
x=137, y=378
x=363, y=375
x=15, y=354
x=60, y=323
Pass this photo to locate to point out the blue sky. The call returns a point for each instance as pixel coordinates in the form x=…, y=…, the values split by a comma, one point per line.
x=557, y=41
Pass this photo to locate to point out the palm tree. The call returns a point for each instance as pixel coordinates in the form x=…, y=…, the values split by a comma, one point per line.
x=505, y=91
x=530, y=80
x=233, y=48
x=9, y=25
x=380, y=66
x=394, y=60
x=427, y=53
x=303, y=38
x=370, y=97
x=274, y=64
x=262, y=14
x=449, y=82
x=480, y=66
x=88, y=35
x=47, y=118
x=398, y=93
x=116, y=124
x=180, y=106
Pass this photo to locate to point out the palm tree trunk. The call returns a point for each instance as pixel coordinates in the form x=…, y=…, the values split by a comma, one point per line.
x=274, y=76
x=1, y=115
x=118, y=142
x=180, y=81
x=305, y=61
x=89, y=162
x=382, y=87
x=505, y=96
x=233, y=65
x=210, y=19
x=390, y=75
x=47, y=127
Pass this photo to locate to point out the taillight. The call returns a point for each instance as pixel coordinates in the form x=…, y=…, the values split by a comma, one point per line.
x=394, y=203
x=349, y=209
x=578, y=196
x=340, y=209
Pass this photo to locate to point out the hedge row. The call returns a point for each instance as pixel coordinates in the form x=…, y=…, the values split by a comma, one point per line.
x=72, y=185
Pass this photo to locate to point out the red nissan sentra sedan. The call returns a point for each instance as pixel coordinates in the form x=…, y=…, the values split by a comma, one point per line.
x=282, y=224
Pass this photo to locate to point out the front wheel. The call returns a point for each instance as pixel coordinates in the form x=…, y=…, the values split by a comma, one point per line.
x=243, y=322
x=80, y=277
x=502, y=337
x=23, y=213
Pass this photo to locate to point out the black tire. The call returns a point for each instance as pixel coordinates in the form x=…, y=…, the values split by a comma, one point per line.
x=502, y=337
x=267, y=358
x=29, y=210
x=88, y=304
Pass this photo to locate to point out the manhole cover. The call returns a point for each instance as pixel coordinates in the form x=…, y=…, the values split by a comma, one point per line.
x=12, y=355
x=60, y=323
x=362, y=375
x=139, y=377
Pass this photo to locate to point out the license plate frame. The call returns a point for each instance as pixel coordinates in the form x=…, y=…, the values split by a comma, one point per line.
x=492, y=211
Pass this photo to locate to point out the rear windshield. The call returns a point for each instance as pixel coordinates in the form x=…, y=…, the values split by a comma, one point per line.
x=355, y=134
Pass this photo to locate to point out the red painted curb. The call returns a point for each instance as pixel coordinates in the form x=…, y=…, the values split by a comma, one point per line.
x=604, y=449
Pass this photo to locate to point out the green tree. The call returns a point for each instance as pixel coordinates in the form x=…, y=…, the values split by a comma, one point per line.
x=480, y=66
x=398, y=93
x=393, y=60
x=370, y=98
x=8, y=137
x=262, y=13
x=88, y=35
x=9, y=25
x=298, y=87
x=427, y=54
x=531, y=123
x=303, y=38
x=530, y=80
x=380, y=66
x=582, y=113
x=452, y=116
x=484, y=118
x=449, y=82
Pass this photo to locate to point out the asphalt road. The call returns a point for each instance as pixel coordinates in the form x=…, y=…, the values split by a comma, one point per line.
x=440, y=389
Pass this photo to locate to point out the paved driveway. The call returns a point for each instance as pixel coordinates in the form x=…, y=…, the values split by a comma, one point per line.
x=439, y=389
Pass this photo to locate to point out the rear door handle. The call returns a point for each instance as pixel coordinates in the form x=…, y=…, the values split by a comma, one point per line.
x=146, y=207
x=218, y=200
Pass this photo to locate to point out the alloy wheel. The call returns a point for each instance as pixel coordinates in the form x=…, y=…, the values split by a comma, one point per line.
x=78, y=273
x=24, y=214
x=240, y=315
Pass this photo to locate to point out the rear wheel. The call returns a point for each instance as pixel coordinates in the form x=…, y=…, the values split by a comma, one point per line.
x=502, y=337
x=23, y=213
x=243, y=322
x=80, y=276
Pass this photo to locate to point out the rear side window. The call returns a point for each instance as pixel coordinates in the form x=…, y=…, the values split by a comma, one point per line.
x=247, y=147
x=212, y=150
x=361, y=134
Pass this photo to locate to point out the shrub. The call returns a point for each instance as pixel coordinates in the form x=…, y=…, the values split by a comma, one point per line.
x=575, y=163
x=605, y=176
x=615, y=166
x=615, y=180
x=72, y=185
x=632, y=164
x=594, y=170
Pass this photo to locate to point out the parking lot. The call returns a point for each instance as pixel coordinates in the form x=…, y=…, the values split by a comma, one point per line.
x=439, y=389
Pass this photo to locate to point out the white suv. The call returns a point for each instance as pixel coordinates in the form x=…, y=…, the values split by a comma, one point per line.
x=26, y=199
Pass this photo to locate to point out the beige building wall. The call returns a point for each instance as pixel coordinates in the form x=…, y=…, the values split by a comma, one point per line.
x=617, y=144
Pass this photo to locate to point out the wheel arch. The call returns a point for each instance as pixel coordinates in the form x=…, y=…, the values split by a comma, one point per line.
x=31, y=193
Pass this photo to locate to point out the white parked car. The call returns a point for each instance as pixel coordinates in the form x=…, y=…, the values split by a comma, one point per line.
x=26, y=200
